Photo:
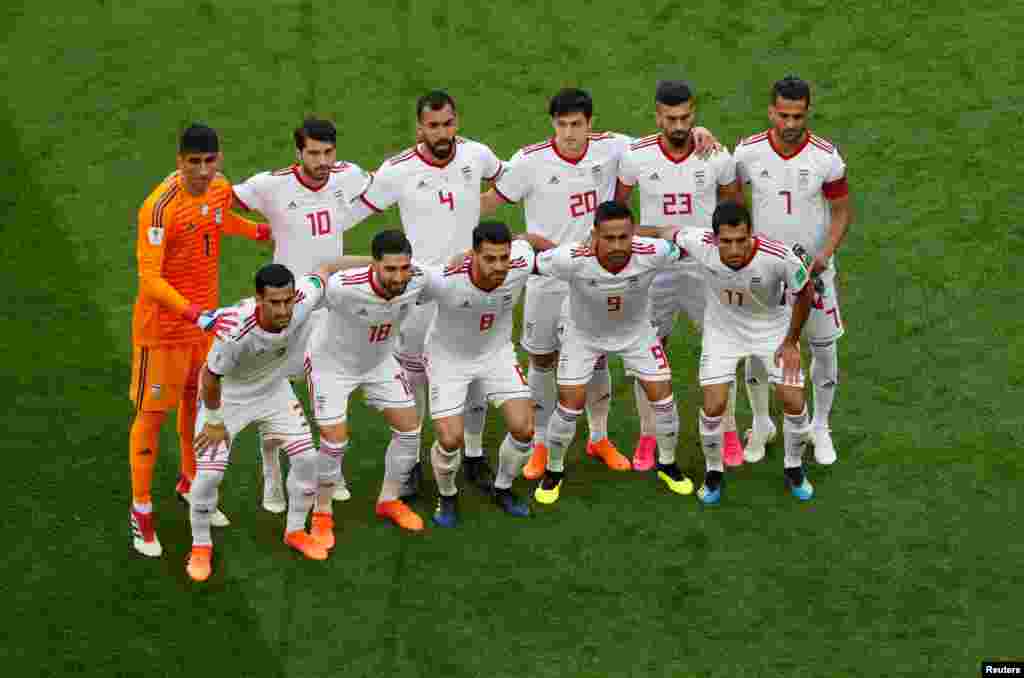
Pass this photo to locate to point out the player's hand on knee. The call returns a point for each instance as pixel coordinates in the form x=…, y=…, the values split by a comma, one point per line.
x=210, y=438
x=788, y=358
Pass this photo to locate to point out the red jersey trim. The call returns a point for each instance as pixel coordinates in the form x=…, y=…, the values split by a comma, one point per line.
x=340, y=167
x=302, y=180
x=356, y=279
x=240, y=201
x=763, y=246
x=527, y=150
x=439, y=165
x=643, y=142
x=501, y=166
x=519, y=262
x=369, y=204
x=755, y=139
x=823, y=142
x=600, y=136
x=586, y=148
x=664, y=152
x=283, y=172
x=503, y=196
x=581, y=252
x=778, y=151
x=403, y=156
x=834, y=190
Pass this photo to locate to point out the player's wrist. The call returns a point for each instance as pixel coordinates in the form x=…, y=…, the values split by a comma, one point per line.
x=214, y=416
x=193, y=312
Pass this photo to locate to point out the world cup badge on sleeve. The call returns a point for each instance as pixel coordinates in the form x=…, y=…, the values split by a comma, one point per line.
x=218, y=215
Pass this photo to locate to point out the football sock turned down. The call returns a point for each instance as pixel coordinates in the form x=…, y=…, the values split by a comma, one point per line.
x=795, y=428
x=512, y=456
x=187, y=409
x=666, y=425
x=302, y=484
x=599, y=400
x=643, y=408
x=143, y=447
x=446, y=465
x=711, y=441
x=475, y=418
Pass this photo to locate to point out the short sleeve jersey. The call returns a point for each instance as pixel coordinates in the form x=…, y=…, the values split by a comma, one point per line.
x=746, y=307
x=560, y=195
x=362, y=321
x=439, y=204
x=472, y=324
x=252, y=360
x=791, y=193
x=673, y=192
x=609, y=310
x=306, y=222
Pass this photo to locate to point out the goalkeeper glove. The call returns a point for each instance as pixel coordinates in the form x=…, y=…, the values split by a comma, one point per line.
x=219, y=321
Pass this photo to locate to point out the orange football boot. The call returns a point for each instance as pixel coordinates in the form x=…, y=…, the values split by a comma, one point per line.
x=398, y=512
x=306, y=544
x=606, y=451
x=538, y=462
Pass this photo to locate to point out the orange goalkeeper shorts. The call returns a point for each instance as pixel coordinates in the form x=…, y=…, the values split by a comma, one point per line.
x=161, y=374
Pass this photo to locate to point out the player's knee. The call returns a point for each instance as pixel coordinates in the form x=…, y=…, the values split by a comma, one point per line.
x=543, y=361
x=336, y=433
x=715, y=402
x=792, y=399
x=656, y=390
x=449, y=436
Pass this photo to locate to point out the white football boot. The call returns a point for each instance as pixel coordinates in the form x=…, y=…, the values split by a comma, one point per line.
x=824, y=450
x=753, y=447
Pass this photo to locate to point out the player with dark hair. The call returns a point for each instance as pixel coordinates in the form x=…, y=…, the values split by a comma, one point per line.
x=609, y=281
x=308, y=207
x=178, y=248
x=800, y=195
x=561, y=182
x=677, y=187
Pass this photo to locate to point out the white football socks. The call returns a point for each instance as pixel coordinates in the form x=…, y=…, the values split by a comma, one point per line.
x=203, y=504
x=302, y=486
x=475, y=417
x=795, y=428
x=561, y=431
x=512, y=456
x=759, y=393
x=643, y=408
x=329, y=472
x=824, y=377
x=544, y=391
x=666, y=426
x=446, y=465
x=599, y=400
x=399, y=459
x=711, y=441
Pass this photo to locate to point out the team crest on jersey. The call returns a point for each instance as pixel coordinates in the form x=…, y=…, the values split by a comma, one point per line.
x=634, y=281
x=190, y=227
x=804, y=178
x=467, y=173
x=339, y=194
x=466, y=304
x=156, y=236
x=592, y=282
x=204, y=210
x=218, y=215
x=403, y=306
x=699, y=178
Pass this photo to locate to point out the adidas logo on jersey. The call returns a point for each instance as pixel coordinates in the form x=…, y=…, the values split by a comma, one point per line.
x=422, y=184
x=654, y=177
x=466, y=304
x=764, y=174
x=292, y=205
x=362, y=312
x=553, y=181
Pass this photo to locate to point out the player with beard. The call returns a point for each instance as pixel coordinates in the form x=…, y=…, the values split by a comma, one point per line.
x=307, y=205
x=800, y=195
x=679, y=188
x=436, y=185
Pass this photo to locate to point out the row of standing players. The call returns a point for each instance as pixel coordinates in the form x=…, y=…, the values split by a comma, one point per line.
x=796, y=177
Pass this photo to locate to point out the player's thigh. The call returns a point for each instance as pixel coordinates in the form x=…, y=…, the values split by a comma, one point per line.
x=646, y=359
x=413, y=335
x=386, y=386
x=502, y=378
x=825, y=322
x=576, y=360
x=542, y=315
x=159, y=376
x=237, y=415
x=329, y=389
x=281, y=418
x=718, y=361
x=449, y=386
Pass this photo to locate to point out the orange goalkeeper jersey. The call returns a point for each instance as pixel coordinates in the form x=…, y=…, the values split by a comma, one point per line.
x=178, y=248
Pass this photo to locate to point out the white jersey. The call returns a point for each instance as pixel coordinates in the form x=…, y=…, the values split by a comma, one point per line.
x=608, y=309
x=560, y=195
x=471, y=323
x=681, y=192
x=362, y=322
x=306, y=223
x=439, y=204
x=251, y=360
x=746, y=308
x=791, y=193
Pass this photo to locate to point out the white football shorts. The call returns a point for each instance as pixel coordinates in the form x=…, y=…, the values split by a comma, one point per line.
x=384, y=387
x=825, y=325
x=644, y=358
x=544, y=312
x=499, y=376
x=413, y=335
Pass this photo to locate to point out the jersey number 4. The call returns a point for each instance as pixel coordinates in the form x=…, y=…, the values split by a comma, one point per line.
x=380, y=332
x=319, y=223
x=447, y=199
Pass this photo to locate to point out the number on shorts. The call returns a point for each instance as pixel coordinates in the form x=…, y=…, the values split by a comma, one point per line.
x=380, y=332
x=404, y=382
x=486, y=321
x=732, y=297
x=614, y=304
x=659, y=354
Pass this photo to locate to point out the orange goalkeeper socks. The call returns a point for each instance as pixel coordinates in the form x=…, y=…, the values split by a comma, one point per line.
x=143, y=446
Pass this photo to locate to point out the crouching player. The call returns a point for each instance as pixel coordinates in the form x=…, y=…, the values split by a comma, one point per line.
x=244, y=383
x=746, y=277
x=470, y=341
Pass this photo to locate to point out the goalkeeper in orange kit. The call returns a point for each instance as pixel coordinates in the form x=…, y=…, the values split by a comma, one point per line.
x=176, y=314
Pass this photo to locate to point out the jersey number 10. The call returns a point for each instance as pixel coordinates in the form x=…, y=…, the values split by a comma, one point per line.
x=319, y=223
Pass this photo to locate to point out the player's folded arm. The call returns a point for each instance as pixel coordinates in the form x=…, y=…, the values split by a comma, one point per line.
x=236, y=224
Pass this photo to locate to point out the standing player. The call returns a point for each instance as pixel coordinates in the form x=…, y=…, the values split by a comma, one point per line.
x=244, y=383
x=800, y=196
x=307, y=207
x=470, y=341
x=178, y=246
x=354, y=348
x=436, y=185
x=677, y=188
x=609, y=282
x=745, y=277
x=561, y=181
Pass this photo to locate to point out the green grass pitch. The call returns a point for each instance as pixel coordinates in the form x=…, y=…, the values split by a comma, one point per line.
x=907, y=563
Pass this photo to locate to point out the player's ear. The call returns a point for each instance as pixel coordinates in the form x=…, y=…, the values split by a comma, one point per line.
x=298, y=156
